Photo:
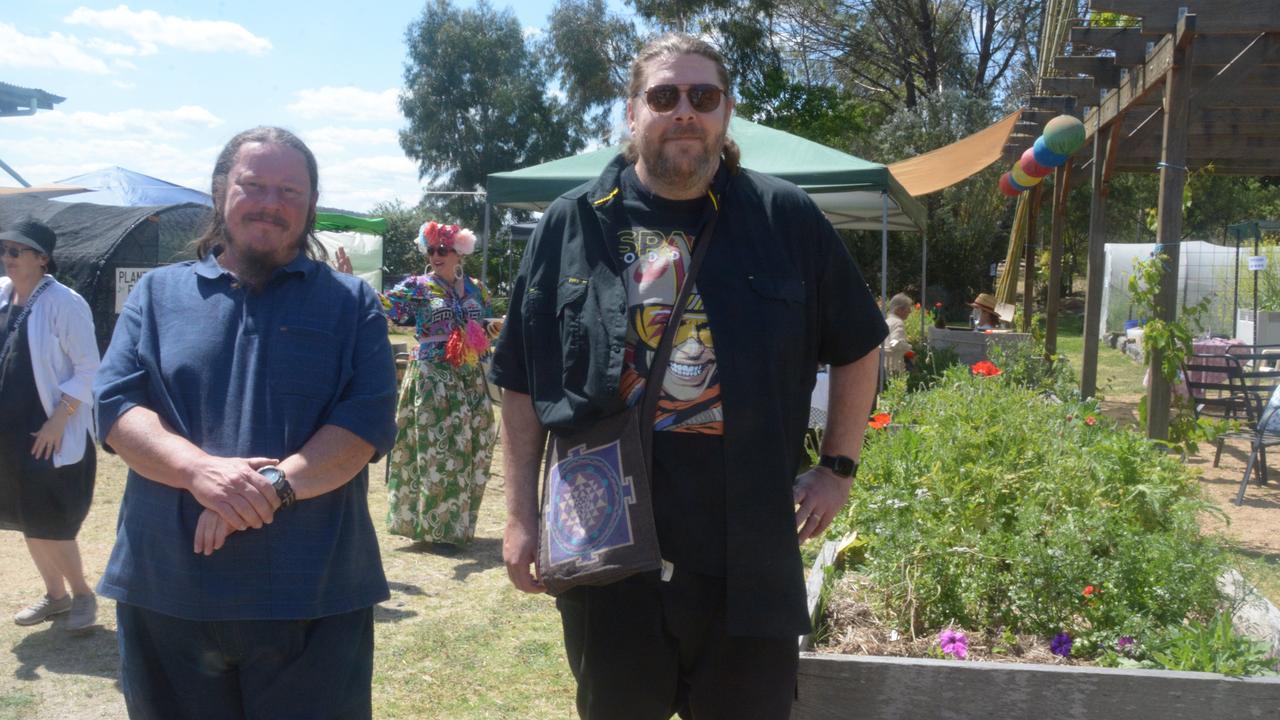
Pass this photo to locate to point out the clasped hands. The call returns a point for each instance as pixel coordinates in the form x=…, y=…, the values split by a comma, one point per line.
x=235, y=497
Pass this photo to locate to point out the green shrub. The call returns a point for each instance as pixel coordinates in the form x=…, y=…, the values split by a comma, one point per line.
x=926, y=369
x=1024, y=364
x=1196, y=647
x=990, y=505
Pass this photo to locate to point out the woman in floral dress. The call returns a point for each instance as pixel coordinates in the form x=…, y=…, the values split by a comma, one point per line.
x=440, y=462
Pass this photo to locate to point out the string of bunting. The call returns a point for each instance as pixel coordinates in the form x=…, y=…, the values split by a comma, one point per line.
x=1062, y=137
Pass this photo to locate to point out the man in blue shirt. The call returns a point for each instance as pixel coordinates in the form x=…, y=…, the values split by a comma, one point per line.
x=248, y=391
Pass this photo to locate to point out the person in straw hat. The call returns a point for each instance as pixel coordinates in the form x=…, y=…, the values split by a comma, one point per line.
x=985, y=315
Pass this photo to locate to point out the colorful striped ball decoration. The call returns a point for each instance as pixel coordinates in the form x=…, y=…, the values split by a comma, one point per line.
x=1046, y=157
x=1006, y=187
x=1017, y=185
x=1064, y=135
x=1021, y=178
x=1029, y=165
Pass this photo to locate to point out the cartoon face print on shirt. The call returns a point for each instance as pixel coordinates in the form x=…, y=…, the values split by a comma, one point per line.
x=655, y=268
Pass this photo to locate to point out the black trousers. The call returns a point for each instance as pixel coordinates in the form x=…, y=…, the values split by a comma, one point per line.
x=175, y=669
x=642, y=649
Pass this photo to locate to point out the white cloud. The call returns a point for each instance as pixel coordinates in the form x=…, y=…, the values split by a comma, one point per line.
x=54, y=52
x=152, y=30
x=360, y=183
x=46, y=158
x=142, y=125
x=332, y=140
x=530, y=32
x=169, y=144
x=348, y=103
x=108, y=47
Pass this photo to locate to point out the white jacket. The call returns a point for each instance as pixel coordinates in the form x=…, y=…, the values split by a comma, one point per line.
x=895, y=345
x=64, y=359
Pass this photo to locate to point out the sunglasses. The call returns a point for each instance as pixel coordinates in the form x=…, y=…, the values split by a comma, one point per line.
x=664, y=98
x=438, y=250
x=14, y=252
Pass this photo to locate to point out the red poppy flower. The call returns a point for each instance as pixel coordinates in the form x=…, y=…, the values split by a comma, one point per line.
x=938, y=305
x=909, y=355
x=917, y=306
x=1089, y=590
x=986, y=368
x=1091, y=420
x=879, y=421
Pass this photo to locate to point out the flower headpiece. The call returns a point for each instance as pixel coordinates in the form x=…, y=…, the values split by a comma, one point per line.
x=458, y=239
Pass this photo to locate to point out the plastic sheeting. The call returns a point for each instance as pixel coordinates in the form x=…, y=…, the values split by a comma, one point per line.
x=1204, y=270
x=364, y=250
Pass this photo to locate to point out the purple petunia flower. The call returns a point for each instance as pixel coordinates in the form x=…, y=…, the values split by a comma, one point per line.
x=1124, y=643
x=1061, y=645
x=954, y=643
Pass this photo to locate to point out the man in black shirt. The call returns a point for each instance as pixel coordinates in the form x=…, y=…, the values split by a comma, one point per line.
x=777, y=295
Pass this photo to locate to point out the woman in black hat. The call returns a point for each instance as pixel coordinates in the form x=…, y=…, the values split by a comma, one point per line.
x=48, y=356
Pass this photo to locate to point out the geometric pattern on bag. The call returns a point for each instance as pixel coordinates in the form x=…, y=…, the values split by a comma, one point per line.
x=589, y=494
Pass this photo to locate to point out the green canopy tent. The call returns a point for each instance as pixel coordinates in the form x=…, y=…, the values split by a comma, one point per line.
x=360, y=237
x=854, y=193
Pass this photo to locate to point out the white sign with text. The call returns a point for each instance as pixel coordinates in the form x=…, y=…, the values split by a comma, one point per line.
x=126, y=278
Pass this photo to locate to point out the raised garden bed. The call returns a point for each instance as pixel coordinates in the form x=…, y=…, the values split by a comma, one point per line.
x=891, y=688
x=995, y=504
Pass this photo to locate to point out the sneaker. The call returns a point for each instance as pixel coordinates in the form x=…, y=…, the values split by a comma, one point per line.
x=84, y=613
x=43, y=609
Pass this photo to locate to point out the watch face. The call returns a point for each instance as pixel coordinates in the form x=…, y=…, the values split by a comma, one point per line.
x=272, y=474
x=839, y=464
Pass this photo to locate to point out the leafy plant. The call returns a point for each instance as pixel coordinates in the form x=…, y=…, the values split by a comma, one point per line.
x=1173, y=341
x=1198, y=646
x=1024, y=364
x=988, y=504
x=927, y=368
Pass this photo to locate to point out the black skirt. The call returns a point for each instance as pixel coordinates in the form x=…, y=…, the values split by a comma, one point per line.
x=42, y=501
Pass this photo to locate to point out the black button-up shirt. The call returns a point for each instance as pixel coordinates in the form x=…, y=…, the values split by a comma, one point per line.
x=782, y=296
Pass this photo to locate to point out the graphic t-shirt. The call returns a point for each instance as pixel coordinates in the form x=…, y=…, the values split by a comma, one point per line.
x=655, y=246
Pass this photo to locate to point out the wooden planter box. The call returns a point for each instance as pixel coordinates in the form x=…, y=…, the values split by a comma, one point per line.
x=971, y=346
x=889, y=688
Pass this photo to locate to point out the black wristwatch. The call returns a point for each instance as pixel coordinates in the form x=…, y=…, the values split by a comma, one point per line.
x=283, y=489
x=845, y=467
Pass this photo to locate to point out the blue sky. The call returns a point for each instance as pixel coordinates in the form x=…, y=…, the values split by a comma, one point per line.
x=158, y=87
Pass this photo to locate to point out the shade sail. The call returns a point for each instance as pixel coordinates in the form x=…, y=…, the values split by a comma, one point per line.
x=950, y=164
x=125, y=188
x=848, y=189
x=43, y=191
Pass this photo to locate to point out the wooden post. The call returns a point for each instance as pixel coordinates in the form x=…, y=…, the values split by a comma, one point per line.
x=1097, y=262
x=1173, y=178
x=1029, y=271
x=1061, y=179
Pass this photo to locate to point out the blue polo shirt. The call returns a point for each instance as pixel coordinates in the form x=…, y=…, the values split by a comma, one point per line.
x=244, y=374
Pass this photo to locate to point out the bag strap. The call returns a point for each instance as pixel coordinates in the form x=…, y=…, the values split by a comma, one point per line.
x=658, y=370
x=26, y=310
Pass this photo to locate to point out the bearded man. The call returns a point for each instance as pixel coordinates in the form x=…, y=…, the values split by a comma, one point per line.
x=248, y=391
x=777, y=294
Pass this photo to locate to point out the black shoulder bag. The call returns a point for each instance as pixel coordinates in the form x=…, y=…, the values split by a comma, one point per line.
x=596, y=524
